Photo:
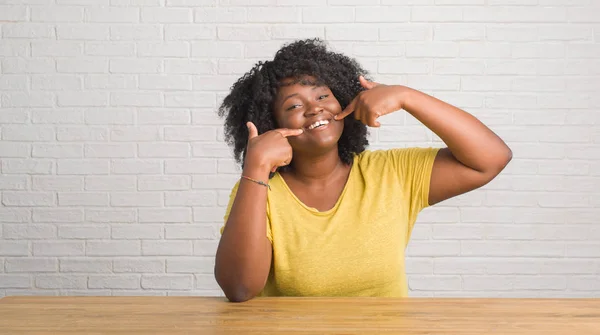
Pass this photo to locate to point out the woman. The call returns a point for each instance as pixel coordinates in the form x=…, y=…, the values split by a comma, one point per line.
x=315, y=213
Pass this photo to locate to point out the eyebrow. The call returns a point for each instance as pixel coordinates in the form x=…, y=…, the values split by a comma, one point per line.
x=293, y=95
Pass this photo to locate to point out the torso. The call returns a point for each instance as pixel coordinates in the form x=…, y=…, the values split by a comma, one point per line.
x=321, y=196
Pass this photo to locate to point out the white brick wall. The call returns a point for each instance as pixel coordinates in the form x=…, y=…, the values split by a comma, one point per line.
x=114, y=175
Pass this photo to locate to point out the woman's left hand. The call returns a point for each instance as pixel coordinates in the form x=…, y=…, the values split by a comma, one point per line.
x=377, y=100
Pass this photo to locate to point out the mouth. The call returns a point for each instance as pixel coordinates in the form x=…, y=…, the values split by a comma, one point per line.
x=319, y=124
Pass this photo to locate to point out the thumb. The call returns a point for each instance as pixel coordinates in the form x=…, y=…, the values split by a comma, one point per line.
x=252, y=131
x=366, y=84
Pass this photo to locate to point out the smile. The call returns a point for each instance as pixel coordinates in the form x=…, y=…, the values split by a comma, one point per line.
x=318, y=124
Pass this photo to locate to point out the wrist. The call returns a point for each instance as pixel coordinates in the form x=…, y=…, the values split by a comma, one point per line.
x=256, y=169
x=404, y=95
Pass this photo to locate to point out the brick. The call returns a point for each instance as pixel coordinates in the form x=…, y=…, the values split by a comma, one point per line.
x=82, y=199
x=206, y=247
x=127, y=3
x=65, y=116
x=29, y=231
x=110, y=81
x=85, y=292
x=141, y=265
x=136, y=166
x=424, y=82
x=163, y=49
x=112, y=14
x=110, y=183
x=273, y=15
x=113, y=49
x=223, y=182
x=82, y=134
x=167, y=15
x=190, y=133
x=14, y=281
x=220, y=15
x=14, y=82
x=167, y=282
x=21, y=264
x=237, y=2
x=32, y=99
x=14, y=48
x=83, y=166
x=482, y=215
x=26, y=292
x=15, y=150
x=406, y=32
x=217, y=49
x=190, y=66
x=57, y=150
x=435, y=248
x=163, y=150
x=14, y=248
x=28, y=30
x=485, y=50
x=419, y=265
x=436, y=14
x=15, y=183
x=110, y=215
x=85, y=265
x=327, y=14
x=165, y=215
x=57, y=215
x=512, y=248
x=136, y=99
x=85, y=65
x=162, y=117
x=166, y=248
x=564, y=168
x=136, y=199
x=463, y=266
x=287, y=32
x=56, y=14
x=165, y=82
x=15, y=215
x=582, y=250
x=184, y=231
x=438, y=283
x=137, y=231
x=436, y=49
x=121, y=150
x=114, y=281
x=457, y=232
x=517, y=33
x=163, y=183
x=78, y=99
x=28, y=133
x=58, y=248
x=113, y=248
x=190, y=198
x=583, y=51
x=213, y=83
x=380, y=14
x=56, y=49
x=190, y=265
x=136, y=32
x=82, y=31
x=13, y=13
x=584, y=283
x=459, y=32
x=16, y=115
x=514, y=14
x=112, y=116
x=135, y=66
x=61, y=281
x=356, y=32
x=208, y=214
x=511, y=101
x=447, y=66
x=188, y=32
x=31, y=199
x=206, y=282
x=560, y=33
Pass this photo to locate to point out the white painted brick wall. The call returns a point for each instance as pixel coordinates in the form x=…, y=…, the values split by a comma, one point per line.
x=115, y=177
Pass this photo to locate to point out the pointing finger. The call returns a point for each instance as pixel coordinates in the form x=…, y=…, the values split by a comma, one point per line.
x=252, y=131
x=347, y=111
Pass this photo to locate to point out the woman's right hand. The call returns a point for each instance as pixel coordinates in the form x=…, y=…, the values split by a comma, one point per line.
x=271, y=149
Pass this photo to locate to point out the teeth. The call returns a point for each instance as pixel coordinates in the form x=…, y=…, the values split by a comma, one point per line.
x=317, y=124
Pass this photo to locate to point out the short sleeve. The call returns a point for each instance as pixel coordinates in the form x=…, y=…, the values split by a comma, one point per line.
x=414, y=167
x=228, y=210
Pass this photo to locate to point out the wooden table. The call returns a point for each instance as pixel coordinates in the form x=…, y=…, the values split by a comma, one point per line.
x=208, y=315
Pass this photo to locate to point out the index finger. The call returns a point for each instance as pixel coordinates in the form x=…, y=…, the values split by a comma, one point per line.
x=347, y=111
x=285, y=132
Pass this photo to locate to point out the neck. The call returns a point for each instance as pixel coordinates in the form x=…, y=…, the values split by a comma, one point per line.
x=310, y=169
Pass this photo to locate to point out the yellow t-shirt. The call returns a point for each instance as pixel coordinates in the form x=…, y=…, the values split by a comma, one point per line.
x=357, y=247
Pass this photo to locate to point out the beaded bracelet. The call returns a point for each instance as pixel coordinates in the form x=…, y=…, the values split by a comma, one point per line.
x=258, y=182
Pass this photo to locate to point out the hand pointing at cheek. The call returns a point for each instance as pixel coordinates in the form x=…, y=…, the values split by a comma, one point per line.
x=377, y=100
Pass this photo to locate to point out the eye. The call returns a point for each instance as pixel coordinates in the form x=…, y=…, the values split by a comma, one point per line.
x=292, y=107
x=323, y=96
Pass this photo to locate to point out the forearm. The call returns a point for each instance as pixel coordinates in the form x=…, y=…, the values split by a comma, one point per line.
x=243, y=256
x=469, y=140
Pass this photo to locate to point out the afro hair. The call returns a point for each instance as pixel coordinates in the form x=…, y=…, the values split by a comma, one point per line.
x=252, y=96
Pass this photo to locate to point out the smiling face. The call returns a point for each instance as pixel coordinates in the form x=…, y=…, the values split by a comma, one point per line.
x=311, y=107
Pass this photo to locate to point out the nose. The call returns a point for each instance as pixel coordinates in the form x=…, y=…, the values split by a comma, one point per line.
x=314, y=109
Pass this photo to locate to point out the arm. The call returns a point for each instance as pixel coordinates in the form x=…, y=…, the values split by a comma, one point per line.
x=474, y=155
x=243, y=258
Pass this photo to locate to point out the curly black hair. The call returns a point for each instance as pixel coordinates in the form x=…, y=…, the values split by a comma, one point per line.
x=251, y=97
